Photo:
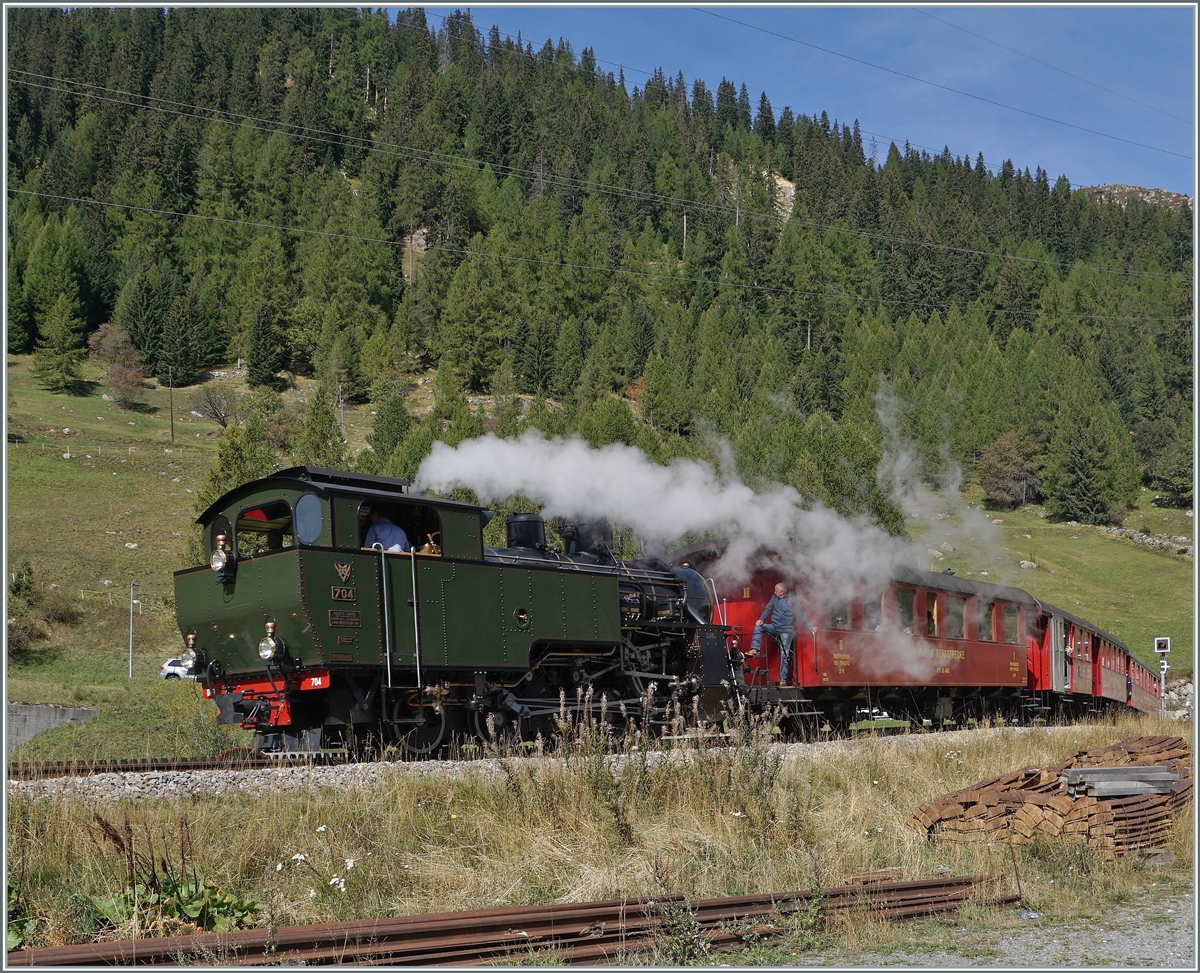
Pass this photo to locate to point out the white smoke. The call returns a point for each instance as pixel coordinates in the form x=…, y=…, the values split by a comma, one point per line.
x=938, y=515
x=621, y=484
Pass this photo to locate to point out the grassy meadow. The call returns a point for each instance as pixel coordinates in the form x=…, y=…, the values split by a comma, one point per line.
x=596, y=822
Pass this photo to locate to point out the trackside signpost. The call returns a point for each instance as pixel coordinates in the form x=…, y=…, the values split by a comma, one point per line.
x=1162, y=646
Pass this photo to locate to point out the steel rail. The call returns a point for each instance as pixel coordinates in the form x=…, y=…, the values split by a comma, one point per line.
x=577, y=933
x=153, y=765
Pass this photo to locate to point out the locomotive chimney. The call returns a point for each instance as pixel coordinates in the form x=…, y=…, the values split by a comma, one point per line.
x=527, y=530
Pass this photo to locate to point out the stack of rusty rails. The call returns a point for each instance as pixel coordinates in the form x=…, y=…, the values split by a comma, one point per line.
x=1116, y=799
x=584, y=933
x=1158, y=750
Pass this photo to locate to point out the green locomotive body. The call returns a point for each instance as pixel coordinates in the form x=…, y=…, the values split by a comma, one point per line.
x=302, y=634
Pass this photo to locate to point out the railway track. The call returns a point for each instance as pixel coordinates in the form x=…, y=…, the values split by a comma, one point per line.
x=238, y=760
x=584, y=933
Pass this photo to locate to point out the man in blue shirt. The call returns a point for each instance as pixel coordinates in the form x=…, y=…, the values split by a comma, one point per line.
x=782, y=627
x=386, y=534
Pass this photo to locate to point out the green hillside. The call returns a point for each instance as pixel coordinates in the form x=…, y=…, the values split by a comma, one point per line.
x=357, y=199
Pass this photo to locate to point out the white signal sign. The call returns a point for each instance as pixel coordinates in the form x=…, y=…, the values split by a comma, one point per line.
x=1162, y=646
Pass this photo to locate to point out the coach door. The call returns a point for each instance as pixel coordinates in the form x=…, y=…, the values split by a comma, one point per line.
x=1058, y=654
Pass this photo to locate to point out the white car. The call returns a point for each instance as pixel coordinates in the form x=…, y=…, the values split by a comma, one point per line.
x=174, y=669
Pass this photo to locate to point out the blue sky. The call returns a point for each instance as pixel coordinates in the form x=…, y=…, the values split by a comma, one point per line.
x=1141, y=53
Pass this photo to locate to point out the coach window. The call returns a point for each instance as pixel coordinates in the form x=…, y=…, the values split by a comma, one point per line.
x=987, y=621
x=265, y=528
x=839, y=616
x=931, y=613
x=1011, y=631
x=873, y=613
x=905, y=600
x=956, y=609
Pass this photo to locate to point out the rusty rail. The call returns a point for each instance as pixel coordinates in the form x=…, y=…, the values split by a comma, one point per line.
x=153, y=765
x=588, y=932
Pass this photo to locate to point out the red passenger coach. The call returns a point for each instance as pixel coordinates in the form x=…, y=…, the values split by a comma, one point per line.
x=927, y=646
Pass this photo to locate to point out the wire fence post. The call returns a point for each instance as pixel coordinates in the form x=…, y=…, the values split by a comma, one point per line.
x=132, y=585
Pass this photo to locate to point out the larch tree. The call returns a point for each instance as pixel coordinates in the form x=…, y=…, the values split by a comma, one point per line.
x=58, y=358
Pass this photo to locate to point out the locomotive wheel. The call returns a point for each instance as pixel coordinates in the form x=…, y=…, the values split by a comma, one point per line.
x=420, y=739
x=500, y=721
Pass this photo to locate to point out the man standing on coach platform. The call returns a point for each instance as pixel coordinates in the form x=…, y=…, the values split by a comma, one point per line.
x=782, y=627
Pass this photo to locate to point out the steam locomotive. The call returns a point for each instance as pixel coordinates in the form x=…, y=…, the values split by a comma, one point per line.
x=303, y=635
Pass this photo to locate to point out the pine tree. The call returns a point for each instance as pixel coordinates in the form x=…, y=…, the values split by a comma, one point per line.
x=59, y=355
x=1150, y=394
x=1091, y=474
x=185, y=345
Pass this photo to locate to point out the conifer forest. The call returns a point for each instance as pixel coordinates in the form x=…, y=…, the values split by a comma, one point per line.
x=682, y=266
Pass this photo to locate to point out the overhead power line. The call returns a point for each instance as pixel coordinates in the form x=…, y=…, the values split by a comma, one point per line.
x=539, y=261
x=943, y=87
x=1047, y=64
x=322, y=136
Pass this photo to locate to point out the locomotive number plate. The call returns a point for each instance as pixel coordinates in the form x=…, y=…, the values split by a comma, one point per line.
x=340, y=593
x=343, y=618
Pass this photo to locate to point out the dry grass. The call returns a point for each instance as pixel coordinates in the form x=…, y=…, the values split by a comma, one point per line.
x=587, y=825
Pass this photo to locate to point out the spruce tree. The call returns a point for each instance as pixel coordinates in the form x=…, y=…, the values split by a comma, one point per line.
x=392, y=424
x=263, y=354
x=60, y=352
x=320, y=442
x=764, y=122
x=244, y=453
x=743, y=109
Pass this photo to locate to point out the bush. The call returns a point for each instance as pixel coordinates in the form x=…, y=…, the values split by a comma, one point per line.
x=110, y=344
x=31, y=612
x=126, y=383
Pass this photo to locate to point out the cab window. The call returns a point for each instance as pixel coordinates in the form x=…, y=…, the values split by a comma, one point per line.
x=265, y=528
x=905, y=600
x=956, y=610
x=1011, y=631
x=931, y=613
x=421, y=524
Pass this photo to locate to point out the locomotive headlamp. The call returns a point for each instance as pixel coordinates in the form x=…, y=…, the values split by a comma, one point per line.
x=223, y=560
x=190, y=655
x=271, y=648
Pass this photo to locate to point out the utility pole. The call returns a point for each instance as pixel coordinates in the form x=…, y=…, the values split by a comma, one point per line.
x=132, y=585
x=341, y=413
x=171, y=394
